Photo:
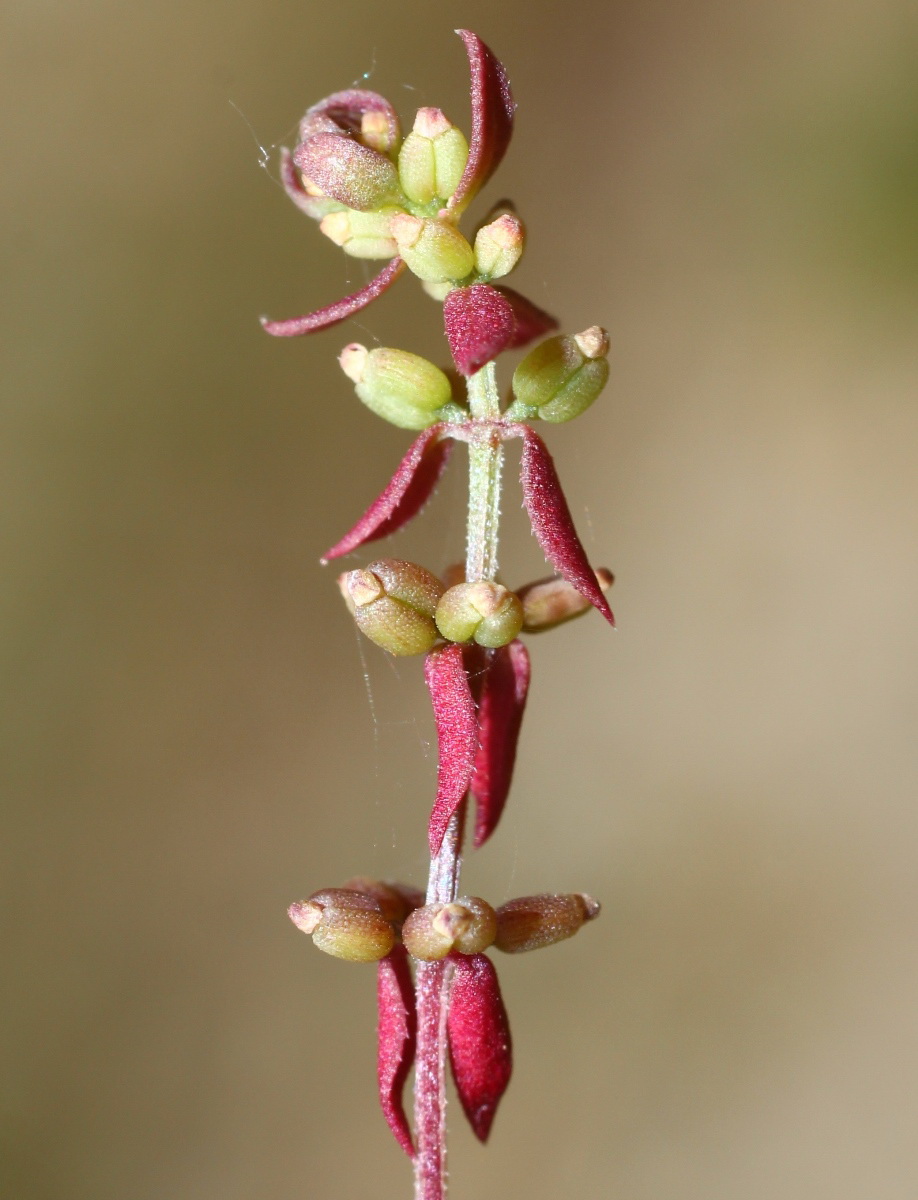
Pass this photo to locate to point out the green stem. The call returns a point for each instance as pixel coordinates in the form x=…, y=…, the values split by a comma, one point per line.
x=486, y=458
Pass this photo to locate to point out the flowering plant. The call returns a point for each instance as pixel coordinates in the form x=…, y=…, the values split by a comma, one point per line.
x=381, y=196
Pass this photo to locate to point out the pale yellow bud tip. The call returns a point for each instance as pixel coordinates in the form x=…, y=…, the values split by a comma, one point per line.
x=430, y=123
x=305, y=915
x=353, y=360
x=364, y=587
x=593, y=342
x=406, y=229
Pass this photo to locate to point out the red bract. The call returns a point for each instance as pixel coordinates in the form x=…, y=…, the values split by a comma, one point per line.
x=531, y=321
x=397, y=1037
x=343, y=112
x=552, y=524
x=503, y=689
x=479, y=1040
x=322, y=318
x=492, y=118
x=457, y=735
x=479, y=324
x=406, y=494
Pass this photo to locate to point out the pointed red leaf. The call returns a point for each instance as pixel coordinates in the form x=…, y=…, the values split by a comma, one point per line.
x=408, y=491
x=322, y=318
x=457, y=735
x=492, y=118
x=397, y=1039
x=552, y=524
x=531, y=321
x=479, y=324
x=503, y=688
x=479, y=1040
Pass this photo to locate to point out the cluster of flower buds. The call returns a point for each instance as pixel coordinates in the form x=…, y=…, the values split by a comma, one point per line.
x=406, y=609
x=363, y=920
x=367, y=921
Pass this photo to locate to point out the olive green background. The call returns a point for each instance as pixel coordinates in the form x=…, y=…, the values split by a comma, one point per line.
x=195, y=736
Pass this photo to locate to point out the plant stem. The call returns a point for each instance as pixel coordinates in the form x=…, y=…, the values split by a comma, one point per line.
x=434, y=978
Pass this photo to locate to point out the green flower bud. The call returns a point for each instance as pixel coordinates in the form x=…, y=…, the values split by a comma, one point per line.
x=562, y=376
x=344, y=923
x=535, y=921
x=499, y=246
x=483, y=611
x=398, y=386
x=362, y=235
x=434, y=250
x=550, y=602
x=468, y=925
x=394, y=604
x=432, y=158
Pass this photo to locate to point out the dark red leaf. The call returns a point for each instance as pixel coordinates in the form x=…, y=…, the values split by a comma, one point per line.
x=408, y=491
x=503, y=688
x=479, y=1040
x=492, y=118
x=531, y=321
x=397, y=1040
x=457, y=735
x=552, y=524
x=322, y=318
x=479, y=324
x=342, y=112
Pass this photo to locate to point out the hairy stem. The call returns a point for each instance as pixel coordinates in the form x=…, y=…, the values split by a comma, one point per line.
x=434, y=979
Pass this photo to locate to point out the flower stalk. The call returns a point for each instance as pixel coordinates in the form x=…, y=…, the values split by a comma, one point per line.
x=377, y=195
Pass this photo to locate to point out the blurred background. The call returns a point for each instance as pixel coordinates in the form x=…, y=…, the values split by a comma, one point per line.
x=195, y=736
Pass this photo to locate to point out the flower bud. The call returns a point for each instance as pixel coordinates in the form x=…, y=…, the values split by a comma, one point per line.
x=482, y=611
x=535, y=921
x=379, y=130
x=432, y=158
x=345, y=924
x=499, y=246
x=398, y=386
x=343, y=169
x=551, y=602
x=362, y=235
x=434, y=250
x=468, y=925
x=396, y=900
x=562, y=376
x=394, y=605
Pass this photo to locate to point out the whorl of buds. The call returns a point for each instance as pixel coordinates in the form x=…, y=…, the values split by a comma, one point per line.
x=468, y=926
x=398, y=386
x=434, y=250
x=561, y=377
x=551, y=602
x=484, y=612
x=393, y=603
x=499, y=246
x=344, y=923
x=362, y=235
x=432, y=158
x=531, y=922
